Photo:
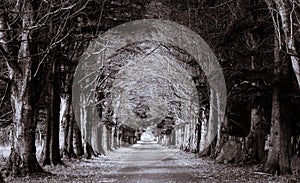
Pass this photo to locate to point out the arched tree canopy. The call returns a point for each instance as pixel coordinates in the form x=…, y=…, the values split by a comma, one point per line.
x=98, y=55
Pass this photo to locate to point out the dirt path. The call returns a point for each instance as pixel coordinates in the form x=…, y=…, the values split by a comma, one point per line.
x=150, y=163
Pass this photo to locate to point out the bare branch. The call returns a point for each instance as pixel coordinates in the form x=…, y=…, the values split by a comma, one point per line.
x=10, y=62
x=5, y=94
x=222, y=4
x=48, y=51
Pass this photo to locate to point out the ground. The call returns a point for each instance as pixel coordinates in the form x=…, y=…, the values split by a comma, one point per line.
x=150, y=162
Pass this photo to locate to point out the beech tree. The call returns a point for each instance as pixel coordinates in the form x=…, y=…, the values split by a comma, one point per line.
x=22, y=159
x=51, y=152
x=285, y=15
x=33, y=20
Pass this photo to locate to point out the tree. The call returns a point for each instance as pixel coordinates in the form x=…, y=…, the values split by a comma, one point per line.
x=35, y=21
x=278, y=160
x=22, y=159
x=51, y=152
x=285, y=15
x=289, y=14
x=1, y=179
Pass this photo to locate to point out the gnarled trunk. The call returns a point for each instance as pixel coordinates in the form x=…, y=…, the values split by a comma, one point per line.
x=22, y=159
x=278, y=157
x=278, y=160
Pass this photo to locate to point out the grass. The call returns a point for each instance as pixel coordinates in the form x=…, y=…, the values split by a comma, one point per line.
x=4, y=151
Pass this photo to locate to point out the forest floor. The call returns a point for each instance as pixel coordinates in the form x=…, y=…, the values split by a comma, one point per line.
x=147, y=162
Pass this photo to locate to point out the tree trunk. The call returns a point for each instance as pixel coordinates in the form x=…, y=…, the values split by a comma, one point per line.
x=66, y=121
x=24, y=124
x=114, y=141
x=278, y=160
x=1, y=179
x=278, y=157
x=45, y=157
x=212, y=126
x=108, y=138
x=289, y=24
x=80, y=117
x=203, y=130
x=118, y=138
x=89, y=113
x=198, y=131
x=78, y=141
x=220, y=125
x=68, y=149
x=55, y=152
x=51, y=152
x=285, y=138
x=22, y=159
x=95, y=140
x=89, y=150
x=255, y=141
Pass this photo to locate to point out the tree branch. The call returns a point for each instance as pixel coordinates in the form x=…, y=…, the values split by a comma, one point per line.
x=7, y=88
x=11, y=62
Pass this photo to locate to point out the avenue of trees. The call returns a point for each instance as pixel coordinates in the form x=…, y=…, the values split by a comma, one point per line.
x=256, y=42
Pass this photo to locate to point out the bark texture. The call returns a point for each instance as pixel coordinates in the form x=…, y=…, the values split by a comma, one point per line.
x=255, y=141
x=22, y=159
x=51, y=152
x=278, y=160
